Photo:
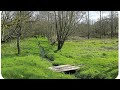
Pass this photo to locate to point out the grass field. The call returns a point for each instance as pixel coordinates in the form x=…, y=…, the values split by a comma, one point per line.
x=99, y=58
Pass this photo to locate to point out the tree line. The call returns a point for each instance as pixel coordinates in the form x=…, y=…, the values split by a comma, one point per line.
x=57, y=26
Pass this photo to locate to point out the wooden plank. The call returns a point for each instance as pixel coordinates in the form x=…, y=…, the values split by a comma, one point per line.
x=63, y=68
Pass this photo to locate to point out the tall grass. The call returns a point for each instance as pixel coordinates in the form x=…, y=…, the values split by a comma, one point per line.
x=99, y=59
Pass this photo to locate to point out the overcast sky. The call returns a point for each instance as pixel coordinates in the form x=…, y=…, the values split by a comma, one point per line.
x=94, y=15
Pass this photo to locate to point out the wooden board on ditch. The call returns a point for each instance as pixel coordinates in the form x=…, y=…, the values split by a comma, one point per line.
x=64, y=68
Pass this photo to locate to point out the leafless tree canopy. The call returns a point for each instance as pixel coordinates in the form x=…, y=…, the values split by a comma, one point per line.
x=57, y=26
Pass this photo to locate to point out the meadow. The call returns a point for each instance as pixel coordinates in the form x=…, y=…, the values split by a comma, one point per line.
x=98, y=59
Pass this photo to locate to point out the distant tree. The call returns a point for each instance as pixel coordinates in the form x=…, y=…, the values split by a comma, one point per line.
x=88, y=26
x=100, y=30
x=111, y=24
x=115, y=23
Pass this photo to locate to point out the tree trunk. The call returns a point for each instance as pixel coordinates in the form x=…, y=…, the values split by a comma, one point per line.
x=88, y=26
x=2, y=35
x=18, y=45
x=60, y=45
x=19, y=34
x=104, y=33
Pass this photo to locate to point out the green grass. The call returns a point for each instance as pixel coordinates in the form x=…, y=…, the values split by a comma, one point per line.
x=98, y=57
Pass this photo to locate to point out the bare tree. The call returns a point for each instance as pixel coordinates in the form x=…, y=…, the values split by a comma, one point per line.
x=111, y=24
x=6, y=18
x=88, y=26
x=22, y=19
x=15, y=22
x=65, y=21
x=100, y=31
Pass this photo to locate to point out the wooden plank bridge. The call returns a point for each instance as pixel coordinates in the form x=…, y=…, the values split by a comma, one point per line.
x=64, y=68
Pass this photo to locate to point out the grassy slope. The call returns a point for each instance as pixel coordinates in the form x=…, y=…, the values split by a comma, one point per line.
x=99, y=57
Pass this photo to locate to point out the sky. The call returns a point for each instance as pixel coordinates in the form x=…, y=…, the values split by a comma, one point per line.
x=94, y=15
